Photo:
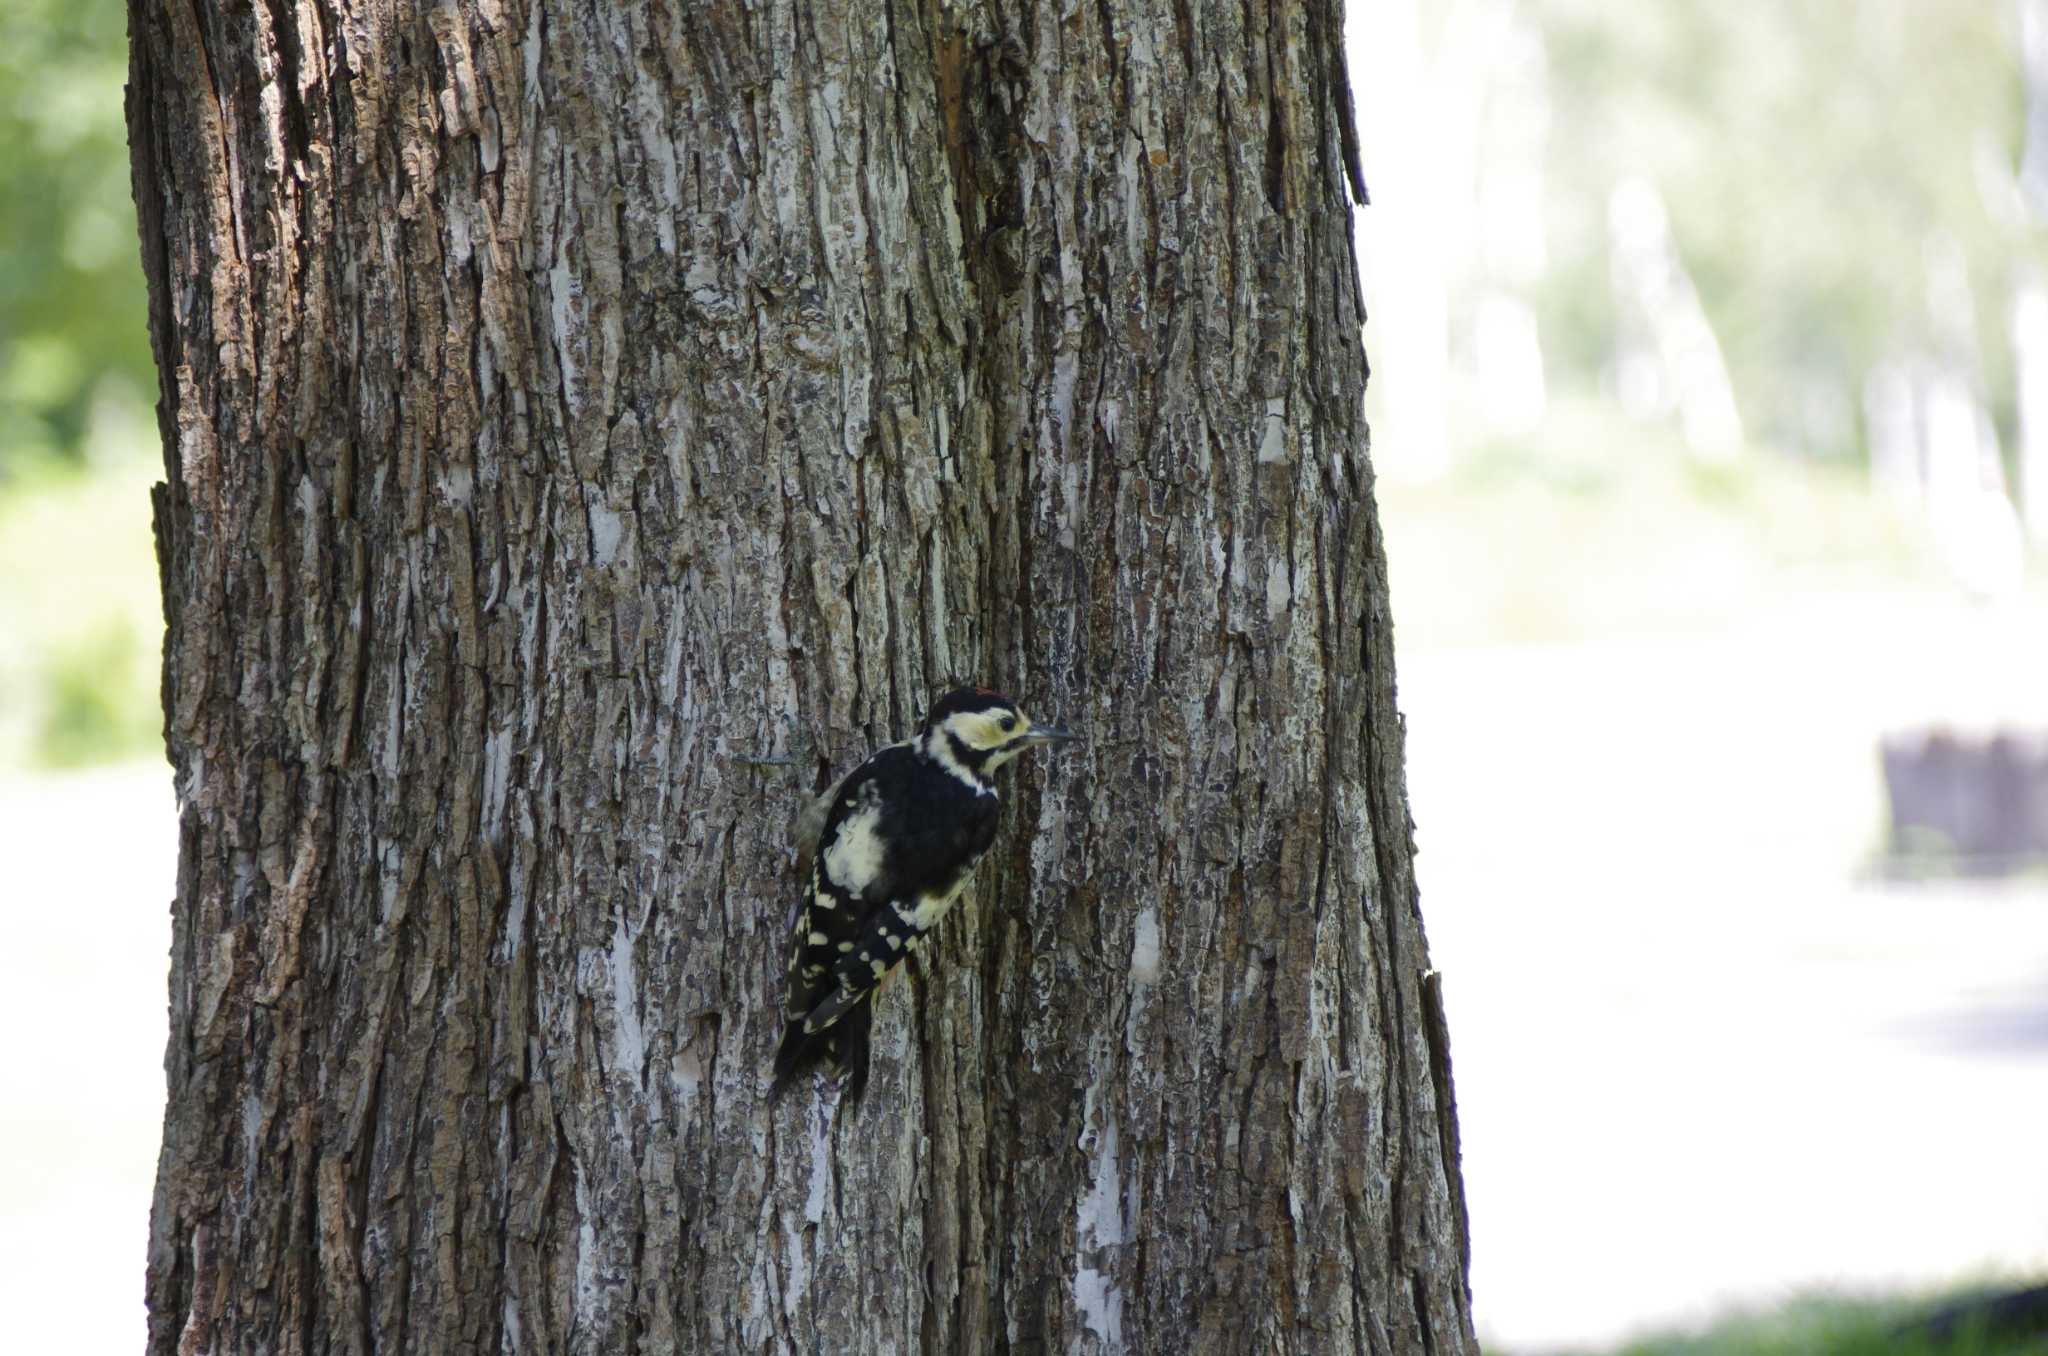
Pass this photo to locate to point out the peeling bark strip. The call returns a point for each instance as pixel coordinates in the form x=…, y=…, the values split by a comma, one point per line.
x=562, y=402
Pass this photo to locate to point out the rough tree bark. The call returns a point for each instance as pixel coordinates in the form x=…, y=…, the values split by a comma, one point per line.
x=564, y=401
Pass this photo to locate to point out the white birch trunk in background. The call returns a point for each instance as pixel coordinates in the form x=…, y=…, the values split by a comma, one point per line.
x=563, y=401
x=1891, y=423
x=1677, y=364
x=1420, y=105
x=1513, y=248
x=2030, y=378
x=2033, y=175
x=1968, y=506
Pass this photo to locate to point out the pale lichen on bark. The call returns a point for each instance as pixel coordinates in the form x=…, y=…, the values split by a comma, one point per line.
x=565, y=401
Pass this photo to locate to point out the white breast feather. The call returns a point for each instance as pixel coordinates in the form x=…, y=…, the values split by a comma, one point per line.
x=855, y=857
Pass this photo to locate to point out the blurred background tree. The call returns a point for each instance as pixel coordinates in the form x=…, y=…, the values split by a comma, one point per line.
x=1731, y=267
x=72, y=334
x=1811, y=157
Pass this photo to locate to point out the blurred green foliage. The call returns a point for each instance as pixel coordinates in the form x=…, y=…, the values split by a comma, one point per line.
x=72, y=330
x=87, y=686
x=80, y=625
x=1812, y=156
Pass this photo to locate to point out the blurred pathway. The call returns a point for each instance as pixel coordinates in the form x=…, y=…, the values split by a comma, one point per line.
x=87, y=869
x=1699, y=1062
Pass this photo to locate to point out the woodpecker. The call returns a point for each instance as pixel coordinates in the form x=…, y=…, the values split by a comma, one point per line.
x=885, y=852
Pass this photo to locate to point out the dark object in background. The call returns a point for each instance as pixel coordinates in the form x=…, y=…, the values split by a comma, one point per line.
x=1963, y=805
x=2004, y=1316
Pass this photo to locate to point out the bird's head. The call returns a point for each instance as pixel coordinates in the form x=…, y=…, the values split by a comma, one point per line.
x=981, y=729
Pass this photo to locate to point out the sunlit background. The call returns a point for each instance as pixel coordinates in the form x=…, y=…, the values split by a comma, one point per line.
x=1710, y=410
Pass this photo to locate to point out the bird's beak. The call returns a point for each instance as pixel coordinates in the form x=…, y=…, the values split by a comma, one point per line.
x=1046, y=734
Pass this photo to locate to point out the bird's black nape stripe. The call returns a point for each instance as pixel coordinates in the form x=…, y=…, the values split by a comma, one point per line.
x=974, y=760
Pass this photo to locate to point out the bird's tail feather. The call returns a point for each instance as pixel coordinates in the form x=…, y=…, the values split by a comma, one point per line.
x=843, y=1044
x=851, y=1052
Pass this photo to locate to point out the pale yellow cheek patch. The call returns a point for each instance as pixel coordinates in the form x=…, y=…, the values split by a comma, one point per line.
x=982, y=729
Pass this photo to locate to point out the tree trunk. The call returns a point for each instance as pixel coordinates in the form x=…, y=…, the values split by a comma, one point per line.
x=563, y=404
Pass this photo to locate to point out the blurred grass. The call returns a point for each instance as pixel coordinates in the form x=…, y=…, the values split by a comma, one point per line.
x=1835, y=1325
x=79, y=610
